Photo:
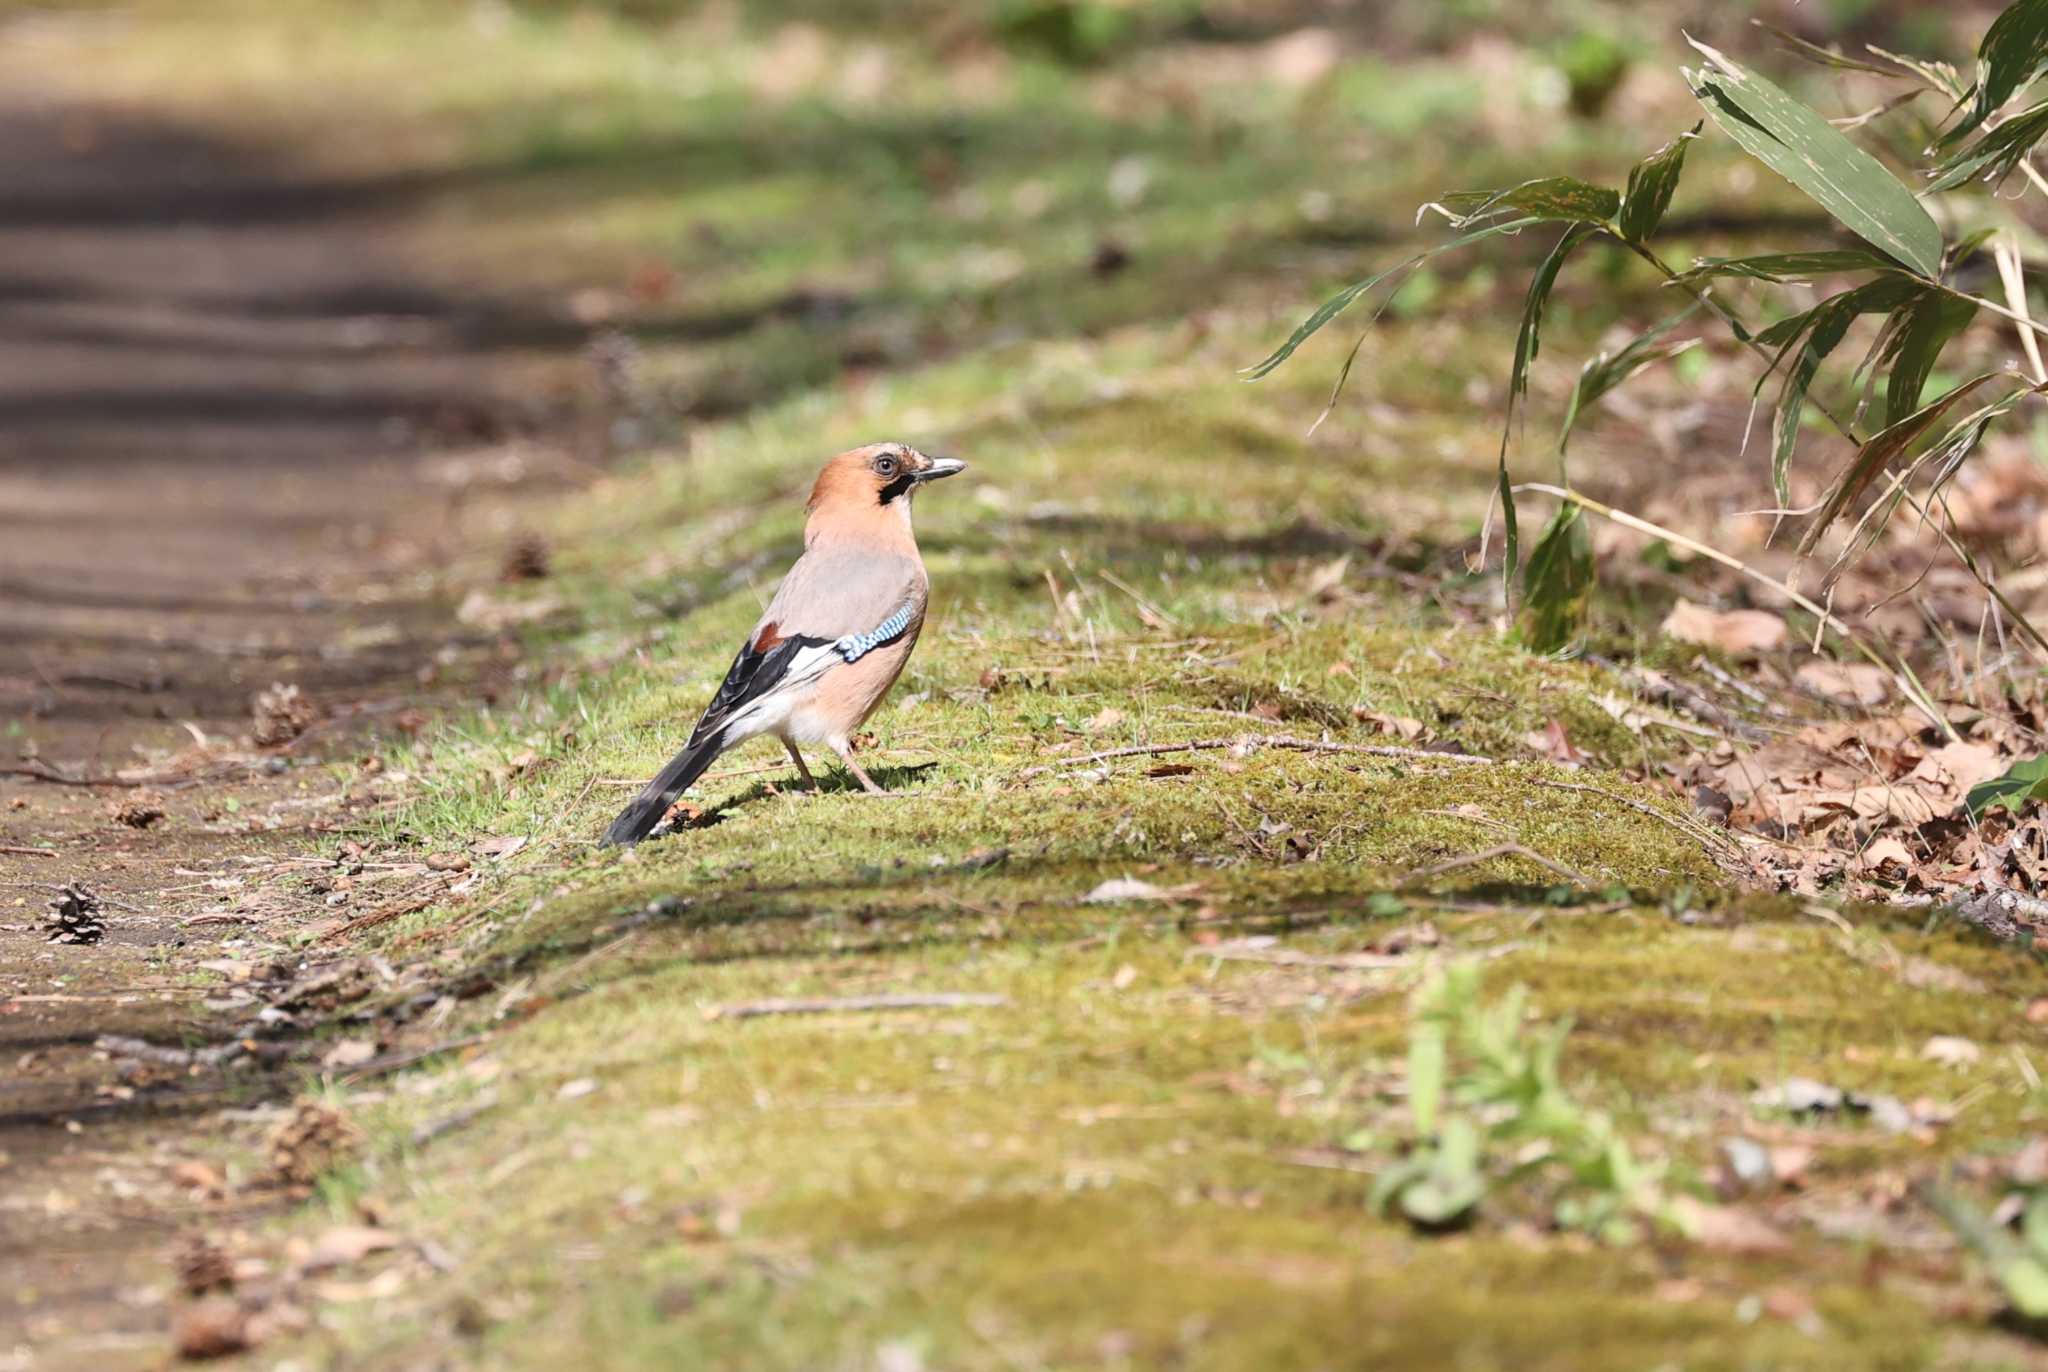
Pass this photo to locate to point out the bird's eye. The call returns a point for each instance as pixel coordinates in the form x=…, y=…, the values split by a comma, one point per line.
x=885, y=467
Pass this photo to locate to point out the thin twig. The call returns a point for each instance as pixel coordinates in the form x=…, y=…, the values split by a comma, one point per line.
x=834, y=1005
x=1697, y=833
x=1305, y=745
x=30, y=852
x=1503, y=850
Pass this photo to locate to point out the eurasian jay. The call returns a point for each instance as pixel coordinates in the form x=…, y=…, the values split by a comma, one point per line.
x=832, y=641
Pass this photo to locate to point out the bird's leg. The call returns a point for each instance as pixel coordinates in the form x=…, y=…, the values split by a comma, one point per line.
x=867, y=783
x=798, y=759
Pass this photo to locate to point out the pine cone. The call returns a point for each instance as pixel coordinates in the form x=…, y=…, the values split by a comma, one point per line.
x=203, y=1265
x=528, y=559
x=282, y=713
x=314, y=1139
x=75, y=917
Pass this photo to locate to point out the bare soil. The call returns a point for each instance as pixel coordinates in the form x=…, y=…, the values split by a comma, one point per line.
x=239, y=444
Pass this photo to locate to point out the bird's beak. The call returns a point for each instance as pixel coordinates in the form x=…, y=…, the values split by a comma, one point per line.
x=940, y=467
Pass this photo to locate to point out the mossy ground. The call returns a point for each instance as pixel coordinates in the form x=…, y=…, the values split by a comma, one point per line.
x=1104, y=1170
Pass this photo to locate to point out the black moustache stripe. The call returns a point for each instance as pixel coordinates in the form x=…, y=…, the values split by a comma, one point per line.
x=897, y=487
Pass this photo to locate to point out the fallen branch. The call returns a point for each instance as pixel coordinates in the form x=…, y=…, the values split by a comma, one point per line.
x=1349, y=962
x=1304, y=745
x=2004, y=915
x=42, y=771
x=29, y=852
x=392, y=1062
x=406, y=905
x=1504, y=850
x=829, y=1005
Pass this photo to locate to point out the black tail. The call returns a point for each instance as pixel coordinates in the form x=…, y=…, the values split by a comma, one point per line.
x=638, y=819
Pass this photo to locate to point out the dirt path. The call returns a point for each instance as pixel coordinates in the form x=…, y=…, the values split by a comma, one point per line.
x=232, y=432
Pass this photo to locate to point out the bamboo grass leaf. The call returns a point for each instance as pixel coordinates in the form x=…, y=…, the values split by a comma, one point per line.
x=1930, y=323
x=1815, y=334
x=1788, y=266
x=1343, y=299
x=1650, y=187
x=1558, y=584
x=1997, y=154
x=2013, y=52
x=1606, y=371
x=1826, y=57
x=1551, y=198
x=1878, y=453
x=1528, y=342
x=1795, y=142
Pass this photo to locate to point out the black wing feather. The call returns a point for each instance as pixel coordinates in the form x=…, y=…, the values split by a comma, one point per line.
x=752, y=675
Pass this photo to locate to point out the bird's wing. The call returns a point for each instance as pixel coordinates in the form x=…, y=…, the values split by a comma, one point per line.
x=825, y=598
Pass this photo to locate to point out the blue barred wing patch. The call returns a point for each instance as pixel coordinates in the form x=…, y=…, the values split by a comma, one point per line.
x=854, y=647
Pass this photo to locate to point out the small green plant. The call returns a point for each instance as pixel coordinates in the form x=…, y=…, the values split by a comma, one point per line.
x=2019, y=1262
x=1489, y=1107
x=2021, y=783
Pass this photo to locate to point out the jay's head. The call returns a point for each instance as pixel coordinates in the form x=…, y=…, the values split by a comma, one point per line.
x=877, y=477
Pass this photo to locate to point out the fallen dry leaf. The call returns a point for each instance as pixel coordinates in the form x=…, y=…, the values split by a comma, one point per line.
x=1845, y=683
x=1550, y=741
x=345, y=1245
x=1738, y=633
x=348, y=1053
x=1886, y=859
x=1131, y=888
x=194, y=1175
x=1726, y=1228
x=1398, y=726
x=1951, y=1051
x=1107, y=718
x=484, y=611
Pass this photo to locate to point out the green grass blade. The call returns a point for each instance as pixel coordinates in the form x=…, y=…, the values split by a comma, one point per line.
x=1795, y=142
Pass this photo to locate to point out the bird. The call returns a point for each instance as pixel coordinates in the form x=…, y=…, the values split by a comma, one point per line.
x=833, y=639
